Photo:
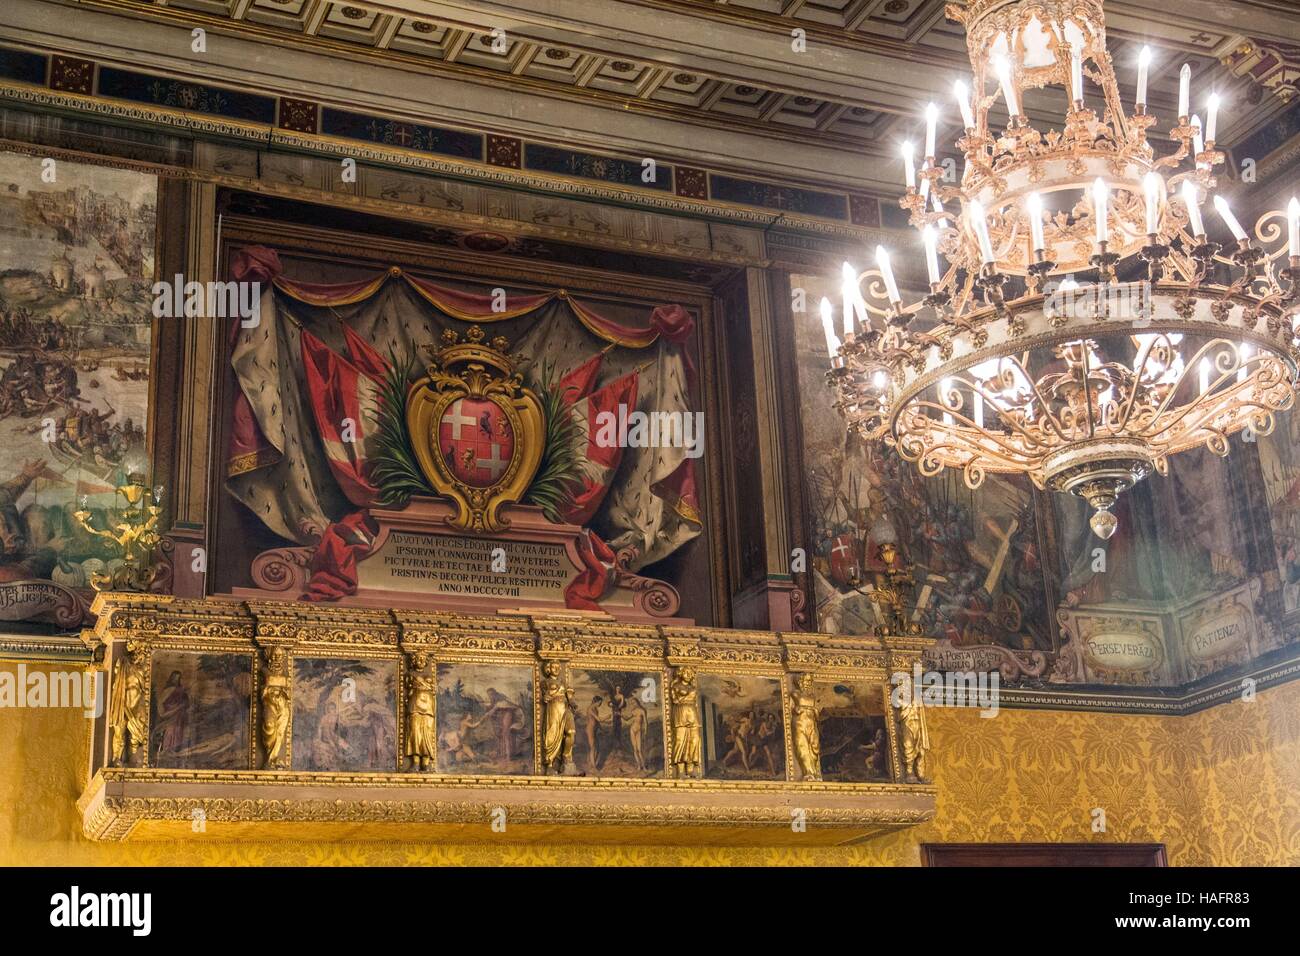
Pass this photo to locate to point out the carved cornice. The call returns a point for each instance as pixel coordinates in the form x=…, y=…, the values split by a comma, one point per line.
x=117, y=800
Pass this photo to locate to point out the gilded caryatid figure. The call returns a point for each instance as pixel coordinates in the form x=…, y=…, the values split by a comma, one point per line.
x=276, y=707
x=421, y=725
x=913, y=738
x=559, y=728
x=683, y=696
x=807, y=736
x=128, y=711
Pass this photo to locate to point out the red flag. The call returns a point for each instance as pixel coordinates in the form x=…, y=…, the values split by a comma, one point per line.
x=679, y=490
x=344, y=397
x=364, y=357
x=577, y=382
x=602, y=457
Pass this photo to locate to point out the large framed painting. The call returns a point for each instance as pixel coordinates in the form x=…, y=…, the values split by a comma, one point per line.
x=580, y=442
x=77, y=247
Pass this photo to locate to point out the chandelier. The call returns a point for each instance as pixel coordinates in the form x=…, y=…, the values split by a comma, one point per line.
x=1165, y=342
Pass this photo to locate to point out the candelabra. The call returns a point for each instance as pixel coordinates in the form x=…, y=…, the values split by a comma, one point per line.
x=1010, y=364
x=132, y=532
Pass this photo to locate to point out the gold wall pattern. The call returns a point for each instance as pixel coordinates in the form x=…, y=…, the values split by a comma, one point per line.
x=1221, y=787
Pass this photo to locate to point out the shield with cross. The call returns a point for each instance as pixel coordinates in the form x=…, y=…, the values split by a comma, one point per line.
x=477, y=432
x=846, y=568
x=476, y=441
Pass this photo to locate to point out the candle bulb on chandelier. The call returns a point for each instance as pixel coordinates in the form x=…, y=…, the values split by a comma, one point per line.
x=1198, y=141
x=887, y=272
x=849, y=294
x=1035, y=205
x=1144, y=65
x=1076, y=77
x=981, y=228
x=960, y=91
x=1293, y=228
x=1002, y=66
x=1100, y=197
x=1229, y=219
x=931, y=128
x=1184, y=92
x=931, y=241
x=828, y=326
x=909, y=166
x=1153, y=186
x=1191, y=199
x=1212, y=118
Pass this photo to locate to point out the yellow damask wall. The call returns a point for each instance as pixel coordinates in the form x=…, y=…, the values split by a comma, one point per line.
x=1221, y=787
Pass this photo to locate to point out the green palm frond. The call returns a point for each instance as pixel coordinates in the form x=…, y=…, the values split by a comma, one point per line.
x=560, y=474
x=394, y=469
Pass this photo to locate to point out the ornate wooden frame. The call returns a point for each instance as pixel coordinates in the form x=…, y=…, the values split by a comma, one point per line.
x=149, y=802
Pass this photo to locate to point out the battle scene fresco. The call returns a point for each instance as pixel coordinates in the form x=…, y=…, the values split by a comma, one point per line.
x=76, y=272
x=977, y=554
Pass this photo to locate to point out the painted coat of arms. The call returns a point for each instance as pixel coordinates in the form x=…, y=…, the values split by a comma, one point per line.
x=477, y=432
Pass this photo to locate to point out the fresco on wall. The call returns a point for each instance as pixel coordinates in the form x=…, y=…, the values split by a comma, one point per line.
x=620, y=723
x=1203, y=572
x=344, y=714
x=742, y=727
x=485, y=718
x=76, y=270
x=978, y=552
x=200, y=711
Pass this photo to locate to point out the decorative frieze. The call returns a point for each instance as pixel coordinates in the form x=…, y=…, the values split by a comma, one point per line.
x=215, y=703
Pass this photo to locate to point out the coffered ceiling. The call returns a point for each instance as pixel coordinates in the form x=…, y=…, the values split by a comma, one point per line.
x=653, y=71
